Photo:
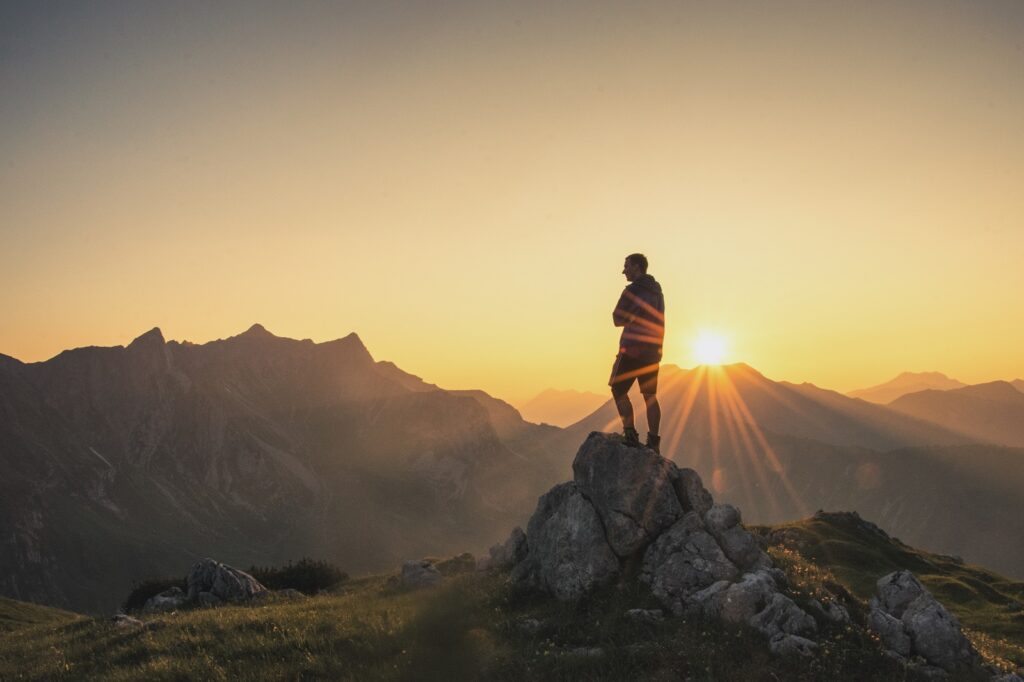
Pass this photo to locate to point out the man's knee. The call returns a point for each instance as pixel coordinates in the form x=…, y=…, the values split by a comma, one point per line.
x=650, y=398
x=619, y=392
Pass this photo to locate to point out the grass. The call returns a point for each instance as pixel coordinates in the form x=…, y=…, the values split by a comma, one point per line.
x=478, y=627
x=840, y=549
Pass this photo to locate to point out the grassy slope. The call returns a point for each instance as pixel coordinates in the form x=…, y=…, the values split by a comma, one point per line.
x=472, y=628
x=18, y=614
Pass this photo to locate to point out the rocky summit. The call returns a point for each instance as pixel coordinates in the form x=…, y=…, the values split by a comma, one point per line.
x=629, y=514
x=629, y=506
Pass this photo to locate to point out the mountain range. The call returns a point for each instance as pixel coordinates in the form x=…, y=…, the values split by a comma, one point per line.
x=907, y=382
x=128, y=462
x=122, y=463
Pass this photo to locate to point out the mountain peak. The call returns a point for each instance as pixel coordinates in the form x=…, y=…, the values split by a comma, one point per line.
x=151, y=338
x=258, y=331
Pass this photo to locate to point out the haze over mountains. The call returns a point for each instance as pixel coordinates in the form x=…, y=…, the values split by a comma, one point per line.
x=129, y=462
x=561, y=408
x=907, y=382
x=991, y=412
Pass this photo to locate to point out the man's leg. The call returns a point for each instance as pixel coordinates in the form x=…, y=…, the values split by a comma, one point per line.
x=653, y=413
x=624, y=406
x=622, y=403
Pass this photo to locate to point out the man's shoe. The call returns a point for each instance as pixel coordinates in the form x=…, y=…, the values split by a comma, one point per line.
x=654, y=442
x=630, y=437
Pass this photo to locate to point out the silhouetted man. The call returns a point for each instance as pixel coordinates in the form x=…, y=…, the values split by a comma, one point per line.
x=641, y=314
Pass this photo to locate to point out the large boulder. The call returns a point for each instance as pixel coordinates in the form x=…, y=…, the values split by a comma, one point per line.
x=684, y=560
x=567, y=554
x=692, y=493
x=221, y=581
x=626, y=503
x=723, y=521
x=911, y=622
x=632, y=489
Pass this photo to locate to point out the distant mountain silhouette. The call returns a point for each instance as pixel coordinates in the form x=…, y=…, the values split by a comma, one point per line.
x=907, y=382
x=1018, y=384
x=992, y=412
x=780, y=451
x=561, y=408
x=125, y=462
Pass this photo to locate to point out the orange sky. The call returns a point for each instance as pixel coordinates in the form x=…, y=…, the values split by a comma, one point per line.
x=835, y=187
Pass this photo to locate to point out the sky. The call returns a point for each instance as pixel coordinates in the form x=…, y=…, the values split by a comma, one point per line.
x=834, y=187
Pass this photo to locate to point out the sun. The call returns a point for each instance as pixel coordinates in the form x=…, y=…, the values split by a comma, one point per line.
x=710, y=348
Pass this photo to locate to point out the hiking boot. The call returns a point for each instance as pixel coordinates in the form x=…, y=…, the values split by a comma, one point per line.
x=654, y=442
x=630, y=437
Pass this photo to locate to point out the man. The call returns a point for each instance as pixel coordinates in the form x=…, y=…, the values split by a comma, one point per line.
x=641, y=314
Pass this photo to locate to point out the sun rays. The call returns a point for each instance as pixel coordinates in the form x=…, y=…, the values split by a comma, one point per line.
x=709, y=426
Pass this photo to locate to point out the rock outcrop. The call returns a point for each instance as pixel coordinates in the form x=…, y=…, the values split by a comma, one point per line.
x=629, y=513
x=630, y=506
x=211, y=582
x=567, y=552
x=911, y=622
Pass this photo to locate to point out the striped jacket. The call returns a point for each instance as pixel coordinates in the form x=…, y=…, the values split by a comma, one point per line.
x=641, y=314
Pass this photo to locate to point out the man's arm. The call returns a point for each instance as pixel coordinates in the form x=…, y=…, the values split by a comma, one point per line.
x=623, y=313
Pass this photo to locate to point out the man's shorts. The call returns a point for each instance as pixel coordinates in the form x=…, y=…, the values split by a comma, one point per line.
x=627, y=369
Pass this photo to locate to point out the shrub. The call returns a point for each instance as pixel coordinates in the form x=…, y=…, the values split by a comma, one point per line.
x=142, y=591
x=306, y=576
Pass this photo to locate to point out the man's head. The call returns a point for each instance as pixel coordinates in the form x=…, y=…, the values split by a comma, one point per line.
x=634, y=267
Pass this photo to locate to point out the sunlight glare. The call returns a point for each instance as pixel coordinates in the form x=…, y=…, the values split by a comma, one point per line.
x=710, y=348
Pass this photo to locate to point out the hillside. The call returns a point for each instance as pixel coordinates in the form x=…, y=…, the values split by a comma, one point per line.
x=476, y=627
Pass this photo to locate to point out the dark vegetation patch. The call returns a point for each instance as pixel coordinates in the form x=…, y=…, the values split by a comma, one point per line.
x=308, y=576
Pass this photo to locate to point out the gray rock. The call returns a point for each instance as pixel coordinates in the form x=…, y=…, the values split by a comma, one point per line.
x=123, y=622
x=291, y=593
x=509, y=553
x=684, y=560
x=721, y=517
x=889, y=629
x=646, y=615
x=791, y=645
x=911, y=622
x=169, y=600
x=632, y=490
x=936, y=636
x=567, y=553
x=419, y=573
x=691, y=492
x=896, y=590
x=223, y=581
x=740, y=601
x=1008, y=677
x=782, y=616
x=208, y=599
x=723, y=522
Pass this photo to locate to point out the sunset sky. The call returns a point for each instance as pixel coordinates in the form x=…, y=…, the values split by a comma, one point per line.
x=837, y=188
